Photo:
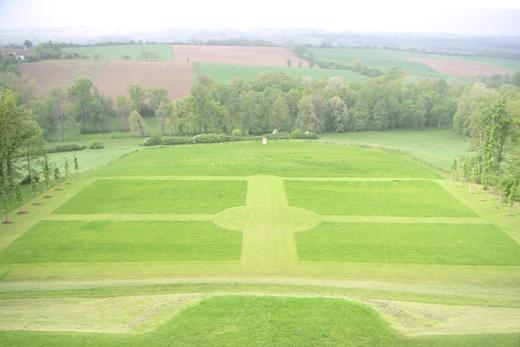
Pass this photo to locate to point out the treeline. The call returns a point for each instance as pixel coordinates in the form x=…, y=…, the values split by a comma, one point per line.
x=272, y=101
x=277, y=101
x=357, y=66
x=491, y=117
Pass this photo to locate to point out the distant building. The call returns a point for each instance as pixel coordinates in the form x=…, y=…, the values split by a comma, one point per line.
x=17, y=53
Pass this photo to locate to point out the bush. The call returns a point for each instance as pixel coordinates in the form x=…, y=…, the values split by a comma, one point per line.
x=176, y=140
x=65, y=148
x=236, y=132
x=96, y=145
x=209, y=138
x=184, y=140
x=152, y=141
x=299, y=134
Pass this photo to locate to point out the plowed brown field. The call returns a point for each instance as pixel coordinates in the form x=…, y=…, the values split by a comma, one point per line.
x=250, y=55
x=113, y=77
x=461, y=68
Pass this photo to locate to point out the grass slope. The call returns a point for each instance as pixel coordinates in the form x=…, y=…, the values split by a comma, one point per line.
x=148, y=196
x=394, y=198
x=56, y=242
x=116, y=52
x=261, y=321
x=455, y=244
x=281, y=158
x=437, y=147
x=223, y=73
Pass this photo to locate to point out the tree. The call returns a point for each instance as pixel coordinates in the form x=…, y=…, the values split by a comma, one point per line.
x=28, y=44
x=46, y=170
x=156, y=97
x=137, y=124
x=17, y=127
x=338, y=118
x=19, y=197
x=137, y=96
x=5, y=197
x=306, y=118
x=123, y=109
x=279, y=117
x=76, y=165
x=53, y=116
x=21, y=85
x=289, y=62
x=86, y=106
x=66, y=167
x=162, y=113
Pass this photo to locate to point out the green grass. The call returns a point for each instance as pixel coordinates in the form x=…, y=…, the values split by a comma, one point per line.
x=437, y=147
x=57, y=242
x=116, y=52
x=281, y=158
x=382, y=59
x=453, y=244
x=149, y=196
x=394, y=198
x=223, y=73
x=385, y=59
x=262, y=321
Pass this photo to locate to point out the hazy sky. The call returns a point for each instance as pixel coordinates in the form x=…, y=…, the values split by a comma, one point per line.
x=441, y=16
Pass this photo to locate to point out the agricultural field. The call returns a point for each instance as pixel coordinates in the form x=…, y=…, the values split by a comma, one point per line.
x=223, y=73
x=247, y=55
x=420, y=64
x=124, y=52
x=289, y=243
x=112, y=77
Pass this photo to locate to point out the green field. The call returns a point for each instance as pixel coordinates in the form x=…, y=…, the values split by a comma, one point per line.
x=57, y=242
x=463, y=244
x=281, y=158
x=116, y=52
x=387, y=198
x=385, y=59
x=243, y=244
x=437, y=147
x=223, y=73
x=151, y=196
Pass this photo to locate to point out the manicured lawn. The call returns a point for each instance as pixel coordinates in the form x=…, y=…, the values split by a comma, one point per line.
x=281, y=158
x=437, y=147
x=223, y=73
x=262, y=321
x=161, y=196
x=454, y=244
x=372, y=198
x=116, y=52
x=49, y=242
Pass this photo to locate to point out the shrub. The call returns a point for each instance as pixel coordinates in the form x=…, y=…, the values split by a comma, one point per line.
x=176, y=140
x=236, y=132
x=299, y=134
x=152, y=141
x=184, y=140
x=209, y=138
x=96, y=145
x=65, y=148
